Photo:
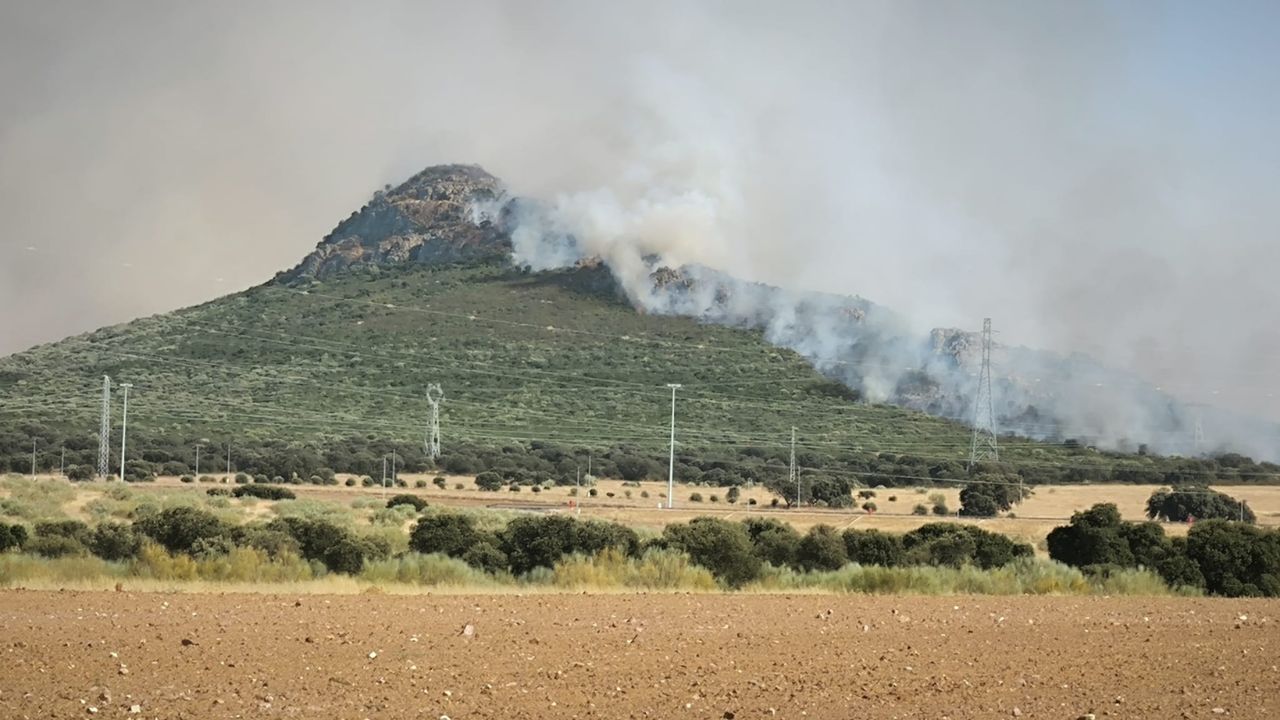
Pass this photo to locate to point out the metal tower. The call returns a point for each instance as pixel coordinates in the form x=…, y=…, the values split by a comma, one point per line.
x=793, y=474
x=434, y=395
x=984, y=446
x=104, y=429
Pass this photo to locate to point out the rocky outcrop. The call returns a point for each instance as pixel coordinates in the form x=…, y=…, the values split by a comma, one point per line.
x=444, y=214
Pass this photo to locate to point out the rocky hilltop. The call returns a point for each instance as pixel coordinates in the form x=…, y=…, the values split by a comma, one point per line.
x=430, y=218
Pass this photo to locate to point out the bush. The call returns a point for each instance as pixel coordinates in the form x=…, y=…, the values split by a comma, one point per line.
x=713, y=498
x=541, y=541
x=242, y=479
x=178, y=529
x=941, y=509
x=207, y=479
x=80, y=473
x=873, y=547
x=695, y=497
x=956, y=545
x=731, y=496
x=866, y=494
x=265, y=492
x=722, y=547
x=115, y=542
x=349, y=482
x=869, y=507
x=73, y=529
x=446, y=533
x=459, y=486
x=187, y=479
x=55, y=546
x=1236, y=560
x=489, y=481
x=1199, y=502
x=822, y=549
x=335, y=546
x=12, y=536
x=486, y=556
x=592, y=492
x=773, y=541
x=440, y=481
x=416, y=502
x=420, y=484
x=753, y=501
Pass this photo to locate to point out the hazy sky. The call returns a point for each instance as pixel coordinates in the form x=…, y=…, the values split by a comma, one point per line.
x=1099, y=177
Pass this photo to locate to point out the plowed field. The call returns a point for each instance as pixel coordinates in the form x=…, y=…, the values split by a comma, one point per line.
x=120, y=654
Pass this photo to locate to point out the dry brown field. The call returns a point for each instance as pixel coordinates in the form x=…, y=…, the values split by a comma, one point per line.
x=109, y=654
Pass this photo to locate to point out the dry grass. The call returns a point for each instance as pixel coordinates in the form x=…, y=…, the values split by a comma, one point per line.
x=1049, y=507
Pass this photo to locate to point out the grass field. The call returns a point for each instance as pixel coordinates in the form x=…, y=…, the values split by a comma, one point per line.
x=1048, y=507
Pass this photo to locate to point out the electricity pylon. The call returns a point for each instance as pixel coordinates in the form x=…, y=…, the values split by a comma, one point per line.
x=434, y=395
x=984, y=445
x=793, y=473
x=104, y=429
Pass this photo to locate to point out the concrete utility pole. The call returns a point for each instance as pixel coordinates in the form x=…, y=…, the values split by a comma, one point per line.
x=671, y=466
x=384, y=476
x=33, y=458
x=197, y=461
x=124, y=426
x=393, y=467
x=62, y=464
x=228, y=459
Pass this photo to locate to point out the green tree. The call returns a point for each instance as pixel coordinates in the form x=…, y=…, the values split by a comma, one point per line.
x=115, y=541
x=446, y=533
x=489, y=481
x=822, y=548
x=873, y=547
x=720, y=546
x=773, y=541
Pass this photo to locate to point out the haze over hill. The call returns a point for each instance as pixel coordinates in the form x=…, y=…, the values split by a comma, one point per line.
x=1095, y=177
x=459, y=213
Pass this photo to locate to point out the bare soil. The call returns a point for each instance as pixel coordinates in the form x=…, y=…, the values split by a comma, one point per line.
x=83, y=654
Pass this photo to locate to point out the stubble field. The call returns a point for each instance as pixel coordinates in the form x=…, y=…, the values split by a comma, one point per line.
x=108, y=654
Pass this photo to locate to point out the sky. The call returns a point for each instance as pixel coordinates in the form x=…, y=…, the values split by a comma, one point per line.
x=1100, y=177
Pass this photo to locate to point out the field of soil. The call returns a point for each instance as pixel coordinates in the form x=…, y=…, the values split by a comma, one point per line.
x=119, y=654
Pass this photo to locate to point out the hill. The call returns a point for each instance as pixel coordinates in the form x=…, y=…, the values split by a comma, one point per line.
x=543, y=373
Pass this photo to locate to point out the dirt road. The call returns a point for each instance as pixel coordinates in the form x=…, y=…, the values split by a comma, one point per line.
x=78, y=655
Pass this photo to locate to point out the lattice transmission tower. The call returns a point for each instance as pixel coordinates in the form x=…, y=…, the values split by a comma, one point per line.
x=984, y=445
x=793, y=473
x=104, y=429
x=432, y=444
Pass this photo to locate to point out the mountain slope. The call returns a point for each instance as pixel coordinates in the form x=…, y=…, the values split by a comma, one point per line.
x=329, y=364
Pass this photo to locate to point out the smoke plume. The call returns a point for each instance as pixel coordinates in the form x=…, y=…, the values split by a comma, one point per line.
x=1097, y=178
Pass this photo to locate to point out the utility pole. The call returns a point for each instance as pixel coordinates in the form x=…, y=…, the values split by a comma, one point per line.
x=384, y=476
x=62, y=464
x=393, y=466
x=33, y=458
x=228, y=459
x=577, y=489
x=197, y=461
x=671, y=467
x=984, y=444
x=793, y=475
x=124, y=426
x=434, y=395
x=104, y=429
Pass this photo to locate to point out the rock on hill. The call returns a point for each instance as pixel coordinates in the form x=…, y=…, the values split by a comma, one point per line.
x=430, y=218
